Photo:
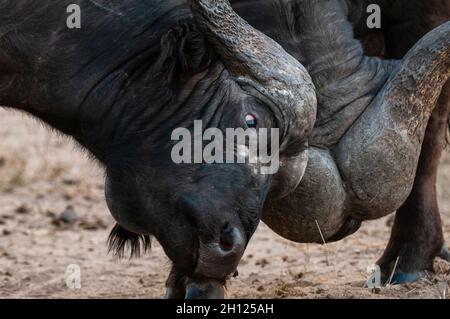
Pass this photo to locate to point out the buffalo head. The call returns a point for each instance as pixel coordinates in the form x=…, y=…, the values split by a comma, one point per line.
x=204, y=214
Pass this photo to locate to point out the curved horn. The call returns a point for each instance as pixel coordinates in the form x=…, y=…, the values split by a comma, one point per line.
x=386, y=141
x=411, y=93
x=258, y=61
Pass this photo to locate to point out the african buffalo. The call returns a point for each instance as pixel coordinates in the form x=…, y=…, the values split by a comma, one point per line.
x=137, y=70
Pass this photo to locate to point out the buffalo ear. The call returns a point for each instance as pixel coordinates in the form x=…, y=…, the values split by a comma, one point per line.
x=185, y=52
x=120, y=240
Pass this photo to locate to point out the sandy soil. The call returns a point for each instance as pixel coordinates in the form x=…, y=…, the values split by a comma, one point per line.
x=41, y=174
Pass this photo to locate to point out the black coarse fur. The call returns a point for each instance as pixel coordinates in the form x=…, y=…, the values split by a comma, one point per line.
x=121, y=240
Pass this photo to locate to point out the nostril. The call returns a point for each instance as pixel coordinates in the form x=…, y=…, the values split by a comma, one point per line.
x=229, y=238
x=220, y=257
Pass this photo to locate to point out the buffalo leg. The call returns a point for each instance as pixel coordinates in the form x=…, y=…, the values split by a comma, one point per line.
x=175, y=286
x=417, y=236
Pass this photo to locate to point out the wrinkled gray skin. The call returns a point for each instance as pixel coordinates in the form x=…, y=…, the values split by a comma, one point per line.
x=371, y=120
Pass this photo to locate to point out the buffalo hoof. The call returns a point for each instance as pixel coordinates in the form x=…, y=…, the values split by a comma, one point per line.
x=401, y=278
x=404, y=278
x=174, y=293
x=445, y=253
x=202, y=289
x=208, y=289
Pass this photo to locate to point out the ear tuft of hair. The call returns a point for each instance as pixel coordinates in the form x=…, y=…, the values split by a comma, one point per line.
x=121, y=240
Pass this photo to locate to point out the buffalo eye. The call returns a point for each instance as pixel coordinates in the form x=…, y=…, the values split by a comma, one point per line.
x=251, y=121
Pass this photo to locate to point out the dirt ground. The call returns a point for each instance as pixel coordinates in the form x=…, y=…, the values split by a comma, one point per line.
x=41, y=174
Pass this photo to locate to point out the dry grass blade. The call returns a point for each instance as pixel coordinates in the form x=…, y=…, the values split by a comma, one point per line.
x=324, y=243
x=393, y=272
